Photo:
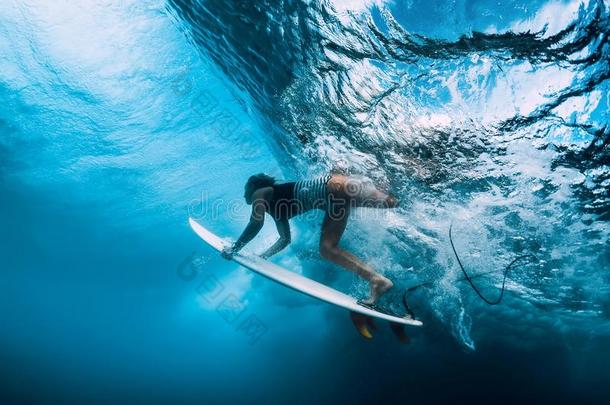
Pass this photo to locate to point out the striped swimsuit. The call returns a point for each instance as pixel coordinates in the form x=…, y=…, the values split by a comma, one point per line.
x=295, y=197
x=312, y=193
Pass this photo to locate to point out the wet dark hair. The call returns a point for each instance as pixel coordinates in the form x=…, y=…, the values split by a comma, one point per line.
x=254, y=183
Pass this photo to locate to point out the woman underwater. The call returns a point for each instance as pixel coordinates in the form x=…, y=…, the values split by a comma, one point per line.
x=336, y=194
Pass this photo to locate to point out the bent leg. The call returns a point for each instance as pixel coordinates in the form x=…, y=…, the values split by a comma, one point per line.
x=377, y=199
x=364, y=193
x=332, y=230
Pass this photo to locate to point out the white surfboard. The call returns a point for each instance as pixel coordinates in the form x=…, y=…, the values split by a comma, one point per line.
x=296, y=281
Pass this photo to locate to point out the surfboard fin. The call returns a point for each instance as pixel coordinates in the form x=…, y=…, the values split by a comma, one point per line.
x=399, y=332
x=370, y=322
x=362, y=323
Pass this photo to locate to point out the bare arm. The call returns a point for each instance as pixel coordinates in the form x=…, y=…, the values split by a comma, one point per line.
x=283, y=228
x=257, y=219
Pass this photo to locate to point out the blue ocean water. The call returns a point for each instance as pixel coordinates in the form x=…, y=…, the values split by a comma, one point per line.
x=120, y=119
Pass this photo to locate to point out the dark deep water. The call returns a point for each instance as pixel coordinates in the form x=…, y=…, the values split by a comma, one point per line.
x=121, y=119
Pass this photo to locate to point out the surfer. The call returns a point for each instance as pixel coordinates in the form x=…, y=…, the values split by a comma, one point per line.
x=336, y=194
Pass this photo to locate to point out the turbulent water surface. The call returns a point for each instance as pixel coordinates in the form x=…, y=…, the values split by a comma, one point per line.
x=120, y=119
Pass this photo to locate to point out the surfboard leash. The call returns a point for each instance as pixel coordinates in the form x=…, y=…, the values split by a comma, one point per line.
x=468, y=278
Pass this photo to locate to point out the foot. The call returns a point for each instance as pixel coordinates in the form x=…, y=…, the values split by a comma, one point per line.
x=379, y=286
